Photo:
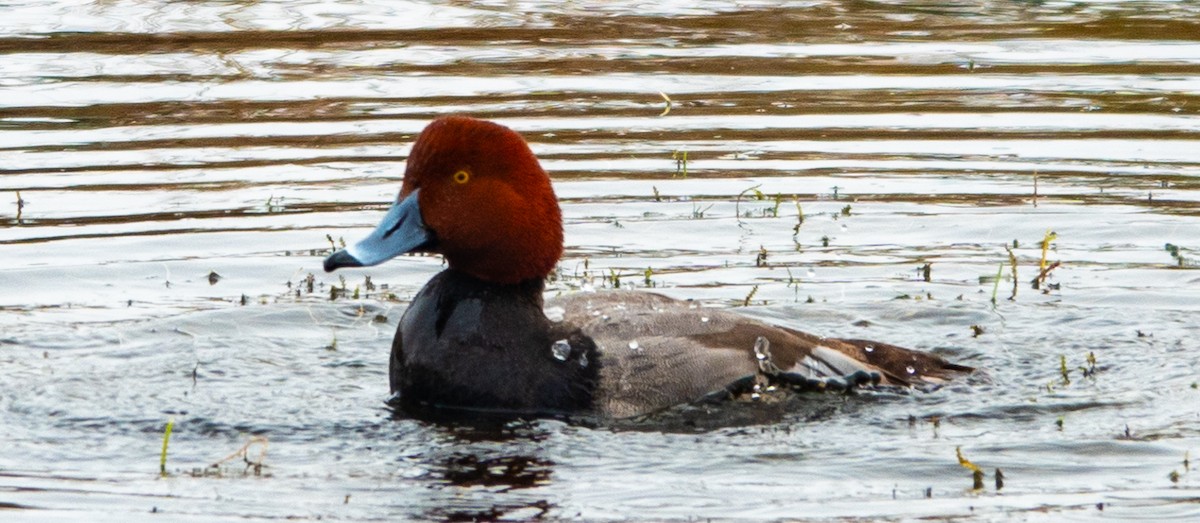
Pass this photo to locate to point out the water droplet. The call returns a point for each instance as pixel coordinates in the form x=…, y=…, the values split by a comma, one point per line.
x=869, y=348
x=762, y=352
x=633, y=345
x=561, y=350
x=910, y=369
x=555, y=314
x=704, y=319
x=583, y=361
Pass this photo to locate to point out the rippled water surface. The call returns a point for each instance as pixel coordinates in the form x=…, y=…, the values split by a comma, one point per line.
x=172, y=173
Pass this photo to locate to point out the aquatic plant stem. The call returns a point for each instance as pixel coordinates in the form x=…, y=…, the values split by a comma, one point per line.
x=996, y=285
x=1012, y=261
x=162, y=458
x=737, y=204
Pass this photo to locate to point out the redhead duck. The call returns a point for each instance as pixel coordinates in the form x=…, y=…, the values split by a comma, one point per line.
x=479, y=336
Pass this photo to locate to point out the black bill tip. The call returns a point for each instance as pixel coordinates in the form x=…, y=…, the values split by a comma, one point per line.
x=339, y=260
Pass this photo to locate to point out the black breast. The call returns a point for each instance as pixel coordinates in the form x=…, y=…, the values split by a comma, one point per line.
x=469, y=344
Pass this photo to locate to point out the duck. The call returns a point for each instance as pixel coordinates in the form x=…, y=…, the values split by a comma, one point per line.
x=481, y=336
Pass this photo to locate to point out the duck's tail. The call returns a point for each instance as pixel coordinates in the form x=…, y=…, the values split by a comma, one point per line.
x=901, y=366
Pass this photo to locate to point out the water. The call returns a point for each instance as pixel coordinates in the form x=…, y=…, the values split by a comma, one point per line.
x=179, y=166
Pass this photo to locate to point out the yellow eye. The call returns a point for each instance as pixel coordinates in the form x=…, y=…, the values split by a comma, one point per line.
x=462, y=177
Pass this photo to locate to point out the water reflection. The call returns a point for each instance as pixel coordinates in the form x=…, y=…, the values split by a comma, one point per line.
x=489, y=470
x=480, y=486
x=507, y=472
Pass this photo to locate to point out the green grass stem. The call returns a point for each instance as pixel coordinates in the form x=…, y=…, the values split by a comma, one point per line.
x=996, y=286
x=162, y=458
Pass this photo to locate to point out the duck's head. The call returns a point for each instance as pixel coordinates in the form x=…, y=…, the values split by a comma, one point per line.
x=475, y=193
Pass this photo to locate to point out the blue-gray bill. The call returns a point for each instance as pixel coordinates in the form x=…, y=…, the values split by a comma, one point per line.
x=401, y=231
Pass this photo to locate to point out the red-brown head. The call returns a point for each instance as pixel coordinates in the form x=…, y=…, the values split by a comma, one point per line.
x=474, y=192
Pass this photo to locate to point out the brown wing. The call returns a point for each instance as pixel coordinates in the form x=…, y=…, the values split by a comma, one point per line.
x=657, y=352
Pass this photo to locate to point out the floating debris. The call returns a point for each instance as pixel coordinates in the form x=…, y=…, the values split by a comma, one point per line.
x=244, y=453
